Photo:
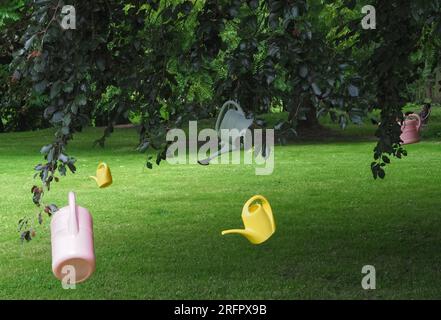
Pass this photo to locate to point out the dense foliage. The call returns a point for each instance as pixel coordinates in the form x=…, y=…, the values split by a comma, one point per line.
x=405, y=30
x=169, y=61
x=20, y=108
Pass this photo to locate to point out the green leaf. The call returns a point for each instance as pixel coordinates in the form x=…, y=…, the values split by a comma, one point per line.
x=41, y=86
x=81, y=100
x=381, y=173
x=55, y=89
x=101, y=64
x=46, y=149
x=68, y=87
x=385, y=159
x=65, y=130
x=29, y=42
x=316, y=89
x=303, y=71
x=353, y=91
x=57, y=117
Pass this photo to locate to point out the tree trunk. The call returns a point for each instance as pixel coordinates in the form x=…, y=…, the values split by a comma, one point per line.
x=23, y=122
x=311, y=120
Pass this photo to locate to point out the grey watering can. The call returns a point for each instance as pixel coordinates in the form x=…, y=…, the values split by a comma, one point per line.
x=231, y=117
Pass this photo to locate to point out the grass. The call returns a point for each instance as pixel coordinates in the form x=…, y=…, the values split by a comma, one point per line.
x=157, y=232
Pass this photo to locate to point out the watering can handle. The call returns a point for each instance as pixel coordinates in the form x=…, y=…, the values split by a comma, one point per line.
x=416, y=116
x=419, y=121
x=73, y=218
x=102, y=164
x=427, y=115
x=266, y=206
x=223, y=111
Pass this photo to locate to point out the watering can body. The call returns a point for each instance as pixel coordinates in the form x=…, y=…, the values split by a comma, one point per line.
x=232, y=119
x=410, y=129
x=103, y=175
x=72, y=241
x=258, y=220
x=235, y=119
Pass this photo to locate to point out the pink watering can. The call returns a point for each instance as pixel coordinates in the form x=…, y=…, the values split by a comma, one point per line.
x=72, y=242
x=410, y=129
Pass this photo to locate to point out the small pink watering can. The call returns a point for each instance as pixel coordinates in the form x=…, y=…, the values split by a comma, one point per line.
x=72, y=241
x=410, y=129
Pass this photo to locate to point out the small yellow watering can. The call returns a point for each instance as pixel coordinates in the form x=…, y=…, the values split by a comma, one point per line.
x=258, y=221
x=103, y=176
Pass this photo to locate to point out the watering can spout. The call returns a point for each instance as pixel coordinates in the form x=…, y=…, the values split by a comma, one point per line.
x=250, y=235
x=94, y=178
x=73, y=218
x=243, y=232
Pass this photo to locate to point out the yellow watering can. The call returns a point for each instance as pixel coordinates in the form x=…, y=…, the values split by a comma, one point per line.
x=258, y=221
x=103, y=176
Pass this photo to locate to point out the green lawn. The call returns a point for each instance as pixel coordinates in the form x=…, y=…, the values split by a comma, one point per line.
x=157, y=232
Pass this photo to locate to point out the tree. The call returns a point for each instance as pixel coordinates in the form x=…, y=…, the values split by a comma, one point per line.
x=404, y=47
x=159, y=42
x=258, y=52
x=170, y=61
x=20, y=108
x=403, y=30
